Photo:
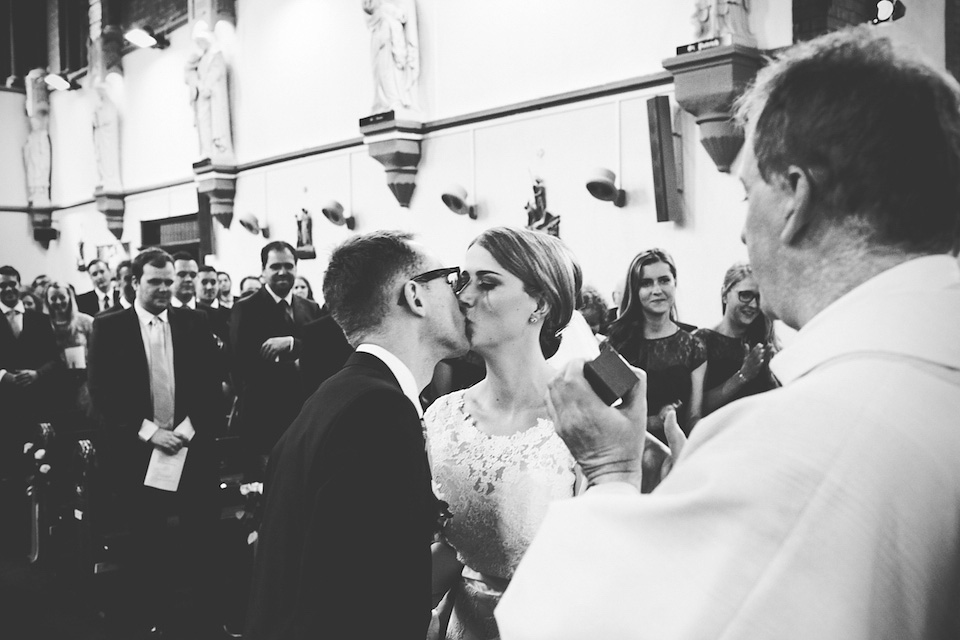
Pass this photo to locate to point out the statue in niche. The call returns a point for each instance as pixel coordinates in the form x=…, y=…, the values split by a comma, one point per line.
x=718, y=18
x=207, y=77
x=395, y=53
x=538, y=218
x=105, y=70
x=36, y=151
x=305, y=249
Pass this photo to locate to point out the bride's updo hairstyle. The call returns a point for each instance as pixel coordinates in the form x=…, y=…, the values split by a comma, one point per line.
x=548, y=270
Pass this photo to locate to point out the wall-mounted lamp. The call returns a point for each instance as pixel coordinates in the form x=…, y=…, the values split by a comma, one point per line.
x=144, y=37
x=888, y=11
x=60, y=82
x=333, y=211
x=602, y=185
x=249, y=222
x=456, y=200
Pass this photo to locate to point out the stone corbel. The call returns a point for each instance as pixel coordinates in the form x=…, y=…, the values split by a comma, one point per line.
x=219, y=184
x=707, y=83
x=395, y=143
x=41, y=220
x=112, y=206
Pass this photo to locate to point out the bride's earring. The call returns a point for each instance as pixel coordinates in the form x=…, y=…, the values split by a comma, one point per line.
x=533, y=319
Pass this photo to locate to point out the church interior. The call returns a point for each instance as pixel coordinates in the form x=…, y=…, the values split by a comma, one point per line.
x=213, y=127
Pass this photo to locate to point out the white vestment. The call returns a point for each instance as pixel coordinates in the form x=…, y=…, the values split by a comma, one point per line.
x=827, y=509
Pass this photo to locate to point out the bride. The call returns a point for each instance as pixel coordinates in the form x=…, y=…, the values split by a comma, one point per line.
x=495, y=456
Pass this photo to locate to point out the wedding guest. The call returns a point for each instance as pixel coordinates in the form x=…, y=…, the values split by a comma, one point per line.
x=226, y=289
x=249, y=286
x=127, y=293
x=103, y=296
x=826, y=508
x=740, y=347
x=152, y=378
x=28, y=360
x=594, y=308
x=73, y=331
x=266, y=342
x=31, y=302
x=649, y=336
x=302, y=288
x=39, y=286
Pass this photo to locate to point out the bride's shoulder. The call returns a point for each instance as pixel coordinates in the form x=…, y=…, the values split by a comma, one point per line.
x=445, y=408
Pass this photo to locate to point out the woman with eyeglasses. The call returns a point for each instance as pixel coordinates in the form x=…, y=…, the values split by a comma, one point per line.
x=740, y=347
x=495, y=456
x=648, y=335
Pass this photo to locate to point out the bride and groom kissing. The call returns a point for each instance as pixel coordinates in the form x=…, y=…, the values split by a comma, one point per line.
x=349, y=514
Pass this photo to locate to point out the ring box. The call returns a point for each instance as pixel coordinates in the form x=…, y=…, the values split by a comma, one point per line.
x=609, y=375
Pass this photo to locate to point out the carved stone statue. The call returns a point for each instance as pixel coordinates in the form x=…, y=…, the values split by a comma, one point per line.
x=395, y=53
x=105, y=69
x=36, y=151
x=718, y=18
x=305, y=249
x=207, y=77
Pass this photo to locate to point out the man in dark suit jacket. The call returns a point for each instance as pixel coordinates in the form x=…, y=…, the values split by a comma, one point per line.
x=124, y=384
x=104, y=296
x=344, y=545
x=325, y=350
x=28, y=355
x=265, y=340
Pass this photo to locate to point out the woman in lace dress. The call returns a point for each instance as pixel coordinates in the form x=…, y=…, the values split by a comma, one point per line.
x=495, y=456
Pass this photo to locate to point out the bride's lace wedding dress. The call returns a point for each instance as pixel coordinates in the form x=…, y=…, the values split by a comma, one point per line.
x=498, y=489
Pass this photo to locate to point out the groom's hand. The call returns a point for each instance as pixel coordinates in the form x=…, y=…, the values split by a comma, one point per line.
x=606, y=441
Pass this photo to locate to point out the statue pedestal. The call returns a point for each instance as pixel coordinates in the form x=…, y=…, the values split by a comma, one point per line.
x=395, y=143
x=707, y=83
x=111, y=205
x=219, y=184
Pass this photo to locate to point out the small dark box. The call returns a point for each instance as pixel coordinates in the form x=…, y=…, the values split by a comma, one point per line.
x=609, y=375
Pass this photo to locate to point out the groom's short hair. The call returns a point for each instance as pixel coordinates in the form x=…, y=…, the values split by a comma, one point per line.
x=362, y=278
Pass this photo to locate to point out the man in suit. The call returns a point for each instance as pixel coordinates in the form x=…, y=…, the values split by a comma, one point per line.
x=28, y=355
x=103, y=296
x=152, y=371
x=126, y=293
x=185, y=271
x=208, y=299
x=265, y=339
x=325, y=349
x=225, y=293
x=344, y=546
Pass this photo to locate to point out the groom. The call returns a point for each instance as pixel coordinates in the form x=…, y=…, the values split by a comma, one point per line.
x=344, y=547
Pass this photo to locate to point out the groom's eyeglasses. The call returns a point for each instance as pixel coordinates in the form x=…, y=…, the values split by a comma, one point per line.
x=746, y=297
x=453, y=276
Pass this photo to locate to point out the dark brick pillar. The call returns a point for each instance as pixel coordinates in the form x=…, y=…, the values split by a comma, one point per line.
x=952, y=36
x=812, y=18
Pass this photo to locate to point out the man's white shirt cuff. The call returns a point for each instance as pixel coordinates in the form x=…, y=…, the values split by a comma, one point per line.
x=147, y=429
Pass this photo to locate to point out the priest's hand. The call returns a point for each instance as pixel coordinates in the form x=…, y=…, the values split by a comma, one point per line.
x=607, y=442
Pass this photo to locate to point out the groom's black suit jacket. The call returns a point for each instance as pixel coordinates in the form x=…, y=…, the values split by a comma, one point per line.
x=344, y=546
